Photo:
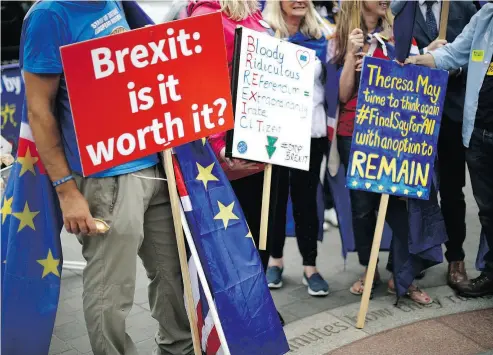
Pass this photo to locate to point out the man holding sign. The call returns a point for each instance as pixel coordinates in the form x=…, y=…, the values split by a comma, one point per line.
x=474, y=47
x=137, y=207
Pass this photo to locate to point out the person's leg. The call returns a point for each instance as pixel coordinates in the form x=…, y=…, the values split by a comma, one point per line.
x=304, y=188
x=109, y=276
x=277, y=227
x=159, y=255
x=479, y=160
x=452, y=173
x=363, y=207
x=278, y=235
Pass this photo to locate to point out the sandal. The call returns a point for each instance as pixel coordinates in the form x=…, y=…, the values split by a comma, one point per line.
x=418, y=296
x=414, y=293
x=359, y=286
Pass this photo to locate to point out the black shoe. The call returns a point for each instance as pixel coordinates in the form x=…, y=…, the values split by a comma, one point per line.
x=480, y=286
x=281, y=318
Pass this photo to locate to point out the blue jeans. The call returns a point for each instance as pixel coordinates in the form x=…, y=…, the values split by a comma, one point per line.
x=364, y=206
x=479, y=157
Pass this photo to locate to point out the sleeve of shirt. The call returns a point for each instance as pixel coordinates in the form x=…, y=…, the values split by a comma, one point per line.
x=456, y=54
x=44, y=34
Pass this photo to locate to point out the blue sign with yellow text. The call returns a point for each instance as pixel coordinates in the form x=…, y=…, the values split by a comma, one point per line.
x=12, y=91
x=396, y=128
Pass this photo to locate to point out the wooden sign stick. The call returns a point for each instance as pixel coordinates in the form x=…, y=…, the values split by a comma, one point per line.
x=182, y=253
x=372, y=265
x=264, y=217
x=444, y=19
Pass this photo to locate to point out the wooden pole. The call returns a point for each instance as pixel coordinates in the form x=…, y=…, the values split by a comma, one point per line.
x=372, y=265
x=182, y=253
x=264, y=217
x=444, y=19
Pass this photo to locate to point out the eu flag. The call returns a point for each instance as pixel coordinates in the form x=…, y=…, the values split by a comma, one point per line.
x=31, y=253
x=228, y=257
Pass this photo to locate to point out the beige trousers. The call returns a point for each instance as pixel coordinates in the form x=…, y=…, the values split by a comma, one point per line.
x=139, y=214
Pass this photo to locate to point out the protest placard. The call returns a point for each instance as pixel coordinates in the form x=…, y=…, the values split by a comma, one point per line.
x=143, y=91
x=12, y=90
x=396, y=128
x=273, y=95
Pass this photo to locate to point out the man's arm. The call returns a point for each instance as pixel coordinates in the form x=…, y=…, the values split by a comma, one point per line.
x=41, y=91
x=425, y=60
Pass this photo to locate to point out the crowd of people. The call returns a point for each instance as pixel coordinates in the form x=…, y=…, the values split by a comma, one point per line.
x=341, y=33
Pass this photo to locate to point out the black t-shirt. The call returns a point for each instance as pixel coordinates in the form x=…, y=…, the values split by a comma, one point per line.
x=484, y=114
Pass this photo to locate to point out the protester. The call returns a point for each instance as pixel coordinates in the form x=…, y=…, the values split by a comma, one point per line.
x=352, y=44
x=451, y=152
x=327, y=11
x=246, y=177
x=474, y=47
x=296, y=22
x=137, y=210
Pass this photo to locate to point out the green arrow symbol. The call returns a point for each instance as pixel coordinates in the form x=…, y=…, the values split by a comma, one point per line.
x=271, y=141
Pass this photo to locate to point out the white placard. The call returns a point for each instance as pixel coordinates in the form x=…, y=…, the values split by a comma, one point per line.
x=274, y=101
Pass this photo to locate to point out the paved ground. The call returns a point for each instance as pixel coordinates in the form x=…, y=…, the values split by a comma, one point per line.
x=463, y=333
x=315, y=325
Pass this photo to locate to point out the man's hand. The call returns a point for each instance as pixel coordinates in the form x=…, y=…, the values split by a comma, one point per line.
x=41, y=92
x=76, y=215
x=426, y=60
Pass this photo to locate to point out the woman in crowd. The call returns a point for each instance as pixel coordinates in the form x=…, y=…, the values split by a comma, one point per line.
x=365, y=28
x=246, y=177
x=296, y=21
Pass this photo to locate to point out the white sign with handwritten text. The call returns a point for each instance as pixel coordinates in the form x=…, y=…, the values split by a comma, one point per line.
x=274, y=101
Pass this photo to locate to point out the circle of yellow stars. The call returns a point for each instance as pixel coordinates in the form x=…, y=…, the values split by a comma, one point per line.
x=27, y=216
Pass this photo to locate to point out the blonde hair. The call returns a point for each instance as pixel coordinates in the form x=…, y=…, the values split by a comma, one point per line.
x=238, y=10
x=274, y=15
x=351, y=17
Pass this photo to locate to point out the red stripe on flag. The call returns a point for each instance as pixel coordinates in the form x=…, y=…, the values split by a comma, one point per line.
x=24, y=144
x=180, y=183
x=213, y=342
x=200, y=319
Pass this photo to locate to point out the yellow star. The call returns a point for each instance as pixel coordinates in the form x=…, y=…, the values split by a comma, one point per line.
x=249, y=235
x=8, y=112
x=406, y=191
x=380, y=187
x=27, y=162
x=355, y=183
x=204, y=140
x=26, y=218
x=50, y=265
x=7, y=207
x=225, y=213
x=205, y=174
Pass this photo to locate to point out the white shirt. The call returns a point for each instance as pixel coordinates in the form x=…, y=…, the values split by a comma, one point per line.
x=436, y=9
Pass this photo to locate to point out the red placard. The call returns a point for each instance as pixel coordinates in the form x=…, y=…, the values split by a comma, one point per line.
x=143, y=91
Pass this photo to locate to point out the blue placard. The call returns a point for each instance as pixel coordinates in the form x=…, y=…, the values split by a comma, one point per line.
x=12, y=90
x=396, y=128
